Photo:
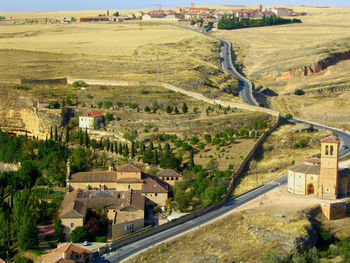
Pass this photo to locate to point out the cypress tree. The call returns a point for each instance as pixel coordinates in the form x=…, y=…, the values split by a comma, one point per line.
x=56, y=134
x=108, y=145
x=101, y=144
x=151, y=145
x=51, y=136
x=159, y=146
x=120, y=149
x=67, y=135
x=155, y=157
x=28, y=233
x=112, y=147
x=86, y=138
x=126, y=150
x=184, y=108
x=116, y=147
x=81, y=137
x=132, y=150
x=191, y=162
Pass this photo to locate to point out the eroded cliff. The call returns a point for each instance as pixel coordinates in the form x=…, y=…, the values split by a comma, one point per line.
x=20, y=116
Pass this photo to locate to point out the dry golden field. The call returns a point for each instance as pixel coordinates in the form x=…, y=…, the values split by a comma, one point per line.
x=122, y=51
x=266, y=52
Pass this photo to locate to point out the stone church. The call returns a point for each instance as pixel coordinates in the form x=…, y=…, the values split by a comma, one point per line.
x=320, y=176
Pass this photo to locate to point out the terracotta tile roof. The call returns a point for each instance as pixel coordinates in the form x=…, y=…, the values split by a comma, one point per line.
x=72, y=207
x=129, y=180
x=93, y=114
x=128, y=168
x=313, y=160
x=152, y=185
x=2, y=261
x=65, y=261
x=58, y=252
x=330, y=139
x=107, y=176
x=305, y=168
x=168, y=173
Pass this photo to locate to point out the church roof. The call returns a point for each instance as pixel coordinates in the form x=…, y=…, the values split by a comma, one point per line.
x=152, y=185
x=305, y=168
x=107, y=176
x=72, y=207
x=330, y=139
x=128, y=168
x=313, y=160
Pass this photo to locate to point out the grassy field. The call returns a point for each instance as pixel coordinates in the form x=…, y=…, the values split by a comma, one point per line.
x=278, y=153
x=122, y=51
x=268, y=51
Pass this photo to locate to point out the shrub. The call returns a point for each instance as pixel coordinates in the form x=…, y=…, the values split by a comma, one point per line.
x=102, y=87
x=20, y=259
x=299, y=92
x=101, y=239
x=289, y=116
x=79, y=234
x=79, y=83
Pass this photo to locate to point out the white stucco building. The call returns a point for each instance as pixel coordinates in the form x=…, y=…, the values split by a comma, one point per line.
x=91, y=120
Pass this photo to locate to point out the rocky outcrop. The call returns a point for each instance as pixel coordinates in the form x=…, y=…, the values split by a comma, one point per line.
x=20, y=116
x=315, y=67
x=295, y=234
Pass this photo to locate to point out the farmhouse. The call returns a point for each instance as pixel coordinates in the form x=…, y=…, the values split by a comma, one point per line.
x=169, y=176
x=320, y=177
x=126, y=177
x=67, y=253
x=91, y=120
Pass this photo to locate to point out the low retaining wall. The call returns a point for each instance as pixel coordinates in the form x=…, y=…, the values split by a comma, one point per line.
x=44, y=81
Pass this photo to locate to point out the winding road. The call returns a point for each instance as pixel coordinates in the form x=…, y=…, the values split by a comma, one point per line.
x=246, y=93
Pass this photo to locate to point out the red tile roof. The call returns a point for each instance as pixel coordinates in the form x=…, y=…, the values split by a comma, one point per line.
x=199, y=9
x=152, y=185
x=93, y=114
x=71, y=207
x=330, y=139
x=107, y=176
x=128, y=168
x=168, y=173
x=58, y=252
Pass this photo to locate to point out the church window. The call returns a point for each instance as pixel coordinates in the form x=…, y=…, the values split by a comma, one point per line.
x=71, y=224
x=326, y=150
x=327, y=189
x=331, y=150
x=155, y=194
x=129, y=186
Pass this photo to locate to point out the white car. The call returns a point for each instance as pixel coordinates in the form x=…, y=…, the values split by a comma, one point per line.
x=85, y=243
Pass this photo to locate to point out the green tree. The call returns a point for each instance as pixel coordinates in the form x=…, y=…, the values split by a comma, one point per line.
x=133, y=150
x=58, y=230
x=28, y=233
x=86, y=139
x=207, y=138
x=184, y=108
x=169, y=109
x=51, y=134
x=99, y=104
x=194, y=140
x=79, y=160
x=4, y=235
x=299, y=92
x=176, y=110
x=126, y=151
x=56, y=134
x=191, y=162
x=20, y=259
x=79, y=234
x=67, y=135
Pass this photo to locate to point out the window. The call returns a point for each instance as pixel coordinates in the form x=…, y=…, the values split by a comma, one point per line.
x=128, y=227
x=176, y=178
x=326, y=152
x=155, y=194
x=113, y=210
x=327, y=189
x=331, y=151
x=71, y=224
x=129, y=186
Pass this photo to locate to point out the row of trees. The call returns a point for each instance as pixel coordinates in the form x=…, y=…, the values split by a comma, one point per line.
x=232, y=22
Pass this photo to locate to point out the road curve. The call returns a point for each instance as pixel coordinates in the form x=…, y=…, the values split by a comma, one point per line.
x=246, y=93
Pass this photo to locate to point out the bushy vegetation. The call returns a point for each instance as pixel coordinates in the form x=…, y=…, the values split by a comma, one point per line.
x=299, y=92
x=229, y=22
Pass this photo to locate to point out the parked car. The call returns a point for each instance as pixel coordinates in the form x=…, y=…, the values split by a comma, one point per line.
x=85, y=243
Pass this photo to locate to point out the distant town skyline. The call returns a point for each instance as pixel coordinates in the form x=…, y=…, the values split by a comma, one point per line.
x=44, y=5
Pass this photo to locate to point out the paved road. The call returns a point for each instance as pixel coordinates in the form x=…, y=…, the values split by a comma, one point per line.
x=246, y=94
x=135, y=247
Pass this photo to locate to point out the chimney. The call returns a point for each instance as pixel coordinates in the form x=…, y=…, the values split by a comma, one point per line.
x=111, y=167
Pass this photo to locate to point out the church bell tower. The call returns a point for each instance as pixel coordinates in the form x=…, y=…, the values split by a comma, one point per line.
x=329, y=181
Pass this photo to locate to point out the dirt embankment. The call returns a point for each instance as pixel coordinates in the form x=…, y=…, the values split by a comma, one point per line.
x=316, y=67
x=20, y=116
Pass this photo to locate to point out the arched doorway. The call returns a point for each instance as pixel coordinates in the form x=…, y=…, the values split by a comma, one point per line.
x=310, y=189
